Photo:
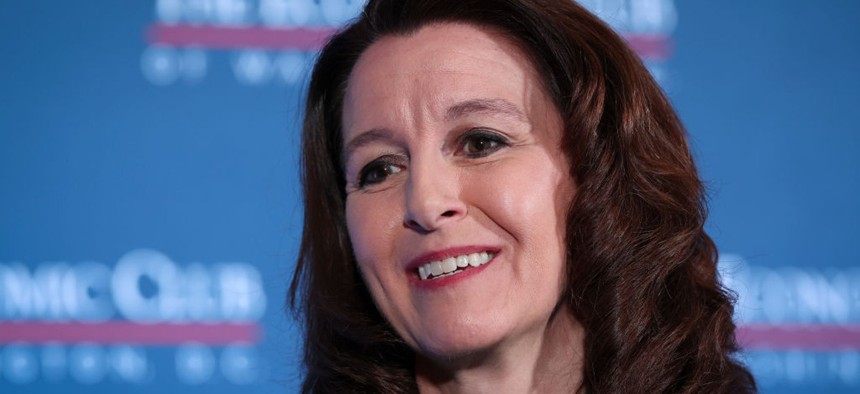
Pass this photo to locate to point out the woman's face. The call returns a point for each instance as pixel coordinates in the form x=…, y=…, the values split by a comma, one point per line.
x=457, y=188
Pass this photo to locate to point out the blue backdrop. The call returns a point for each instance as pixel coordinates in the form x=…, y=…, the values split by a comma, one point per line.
x=150, y=211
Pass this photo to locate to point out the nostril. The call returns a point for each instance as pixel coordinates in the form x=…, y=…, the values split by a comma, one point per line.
x=411, y=224
x=448, y=214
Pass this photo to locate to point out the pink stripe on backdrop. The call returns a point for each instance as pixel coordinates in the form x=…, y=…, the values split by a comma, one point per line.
x=752, y=337
x=218, y=37
x=656, y=47
x=799, y=337
x=650, y=46
x=129, y=333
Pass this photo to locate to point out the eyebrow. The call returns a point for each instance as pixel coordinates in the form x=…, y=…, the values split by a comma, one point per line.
x=489, y=106
x=366, y=138
x=458, y=110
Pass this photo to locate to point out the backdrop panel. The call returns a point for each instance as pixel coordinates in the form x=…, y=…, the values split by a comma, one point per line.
x=150, y=210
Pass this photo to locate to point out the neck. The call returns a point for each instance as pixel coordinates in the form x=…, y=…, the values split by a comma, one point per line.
x=549, y=361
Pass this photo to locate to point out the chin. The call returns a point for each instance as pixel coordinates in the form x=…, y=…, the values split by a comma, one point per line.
x=455, y=340
x=447, y=352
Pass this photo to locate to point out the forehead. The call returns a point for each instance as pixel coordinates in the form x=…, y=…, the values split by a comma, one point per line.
x=438, y=65
x=441, y=46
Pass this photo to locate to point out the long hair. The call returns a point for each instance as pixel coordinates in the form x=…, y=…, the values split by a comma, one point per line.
x=641, y=271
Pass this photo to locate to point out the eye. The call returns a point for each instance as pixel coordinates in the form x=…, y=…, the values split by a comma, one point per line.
x=481, y=143
x=378, y=171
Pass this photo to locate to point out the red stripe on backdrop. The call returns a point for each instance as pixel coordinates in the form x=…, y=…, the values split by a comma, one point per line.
x=650, y=46
x=218, y=37
x=655, y=47
x=752, y=337
x=129, y=333
x=819, y=337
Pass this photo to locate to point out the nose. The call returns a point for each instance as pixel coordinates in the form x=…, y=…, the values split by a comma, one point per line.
x=432, y=197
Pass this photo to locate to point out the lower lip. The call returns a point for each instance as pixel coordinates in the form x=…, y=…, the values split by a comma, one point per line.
x=432, y=284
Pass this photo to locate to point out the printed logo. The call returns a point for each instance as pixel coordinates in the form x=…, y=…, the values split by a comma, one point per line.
x=274, y=41
x=88, y=321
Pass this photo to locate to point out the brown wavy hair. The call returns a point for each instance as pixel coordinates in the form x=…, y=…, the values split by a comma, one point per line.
x=641, y=270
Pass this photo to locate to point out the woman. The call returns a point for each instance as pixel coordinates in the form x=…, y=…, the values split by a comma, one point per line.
x=498, y=197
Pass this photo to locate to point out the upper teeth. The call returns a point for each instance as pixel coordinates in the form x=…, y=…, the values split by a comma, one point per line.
x=451, y=264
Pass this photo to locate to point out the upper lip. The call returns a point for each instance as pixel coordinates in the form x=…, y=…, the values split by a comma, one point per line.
x=446, y=253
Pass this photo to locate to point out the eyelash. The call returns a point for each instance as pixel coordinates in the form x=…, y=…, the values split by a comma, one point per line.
x=482, y=136
x=390, y=164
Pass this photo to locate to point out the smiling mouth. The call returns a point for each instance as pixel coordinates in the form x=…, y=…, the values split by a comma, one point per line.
x=453, y=265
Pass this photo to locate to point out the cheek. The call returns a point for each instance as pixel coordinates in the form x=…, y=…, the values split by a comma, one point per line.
x=360, y=227
x=373, y=237
x=528, y=202
x=527, y=198
x=369, y=223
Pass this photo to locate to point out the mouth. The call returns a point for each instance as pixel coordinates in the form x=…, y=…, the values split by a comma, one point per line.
x=453, y=265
